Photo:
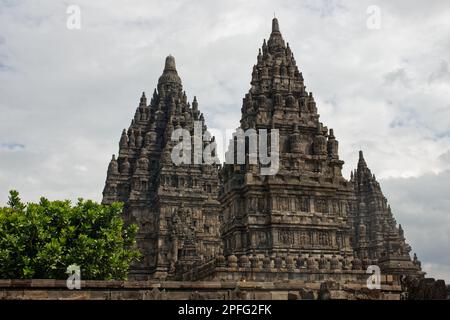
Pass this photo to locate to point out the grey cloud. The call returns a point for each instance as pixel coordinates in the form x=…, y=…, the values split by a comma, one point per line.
x=397, y=76
x=442, y=73
x=3, y=67
x=422, y=205
x=325, y=8
x=11, y=146
x=445, y=157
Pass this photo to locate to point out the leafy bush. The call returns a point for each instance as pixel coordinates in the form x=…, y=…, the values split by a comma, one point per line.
x=40, y=240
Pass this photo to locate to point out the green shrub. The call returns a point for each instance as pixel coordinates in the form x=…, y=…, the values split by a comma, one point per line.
x=40, y=240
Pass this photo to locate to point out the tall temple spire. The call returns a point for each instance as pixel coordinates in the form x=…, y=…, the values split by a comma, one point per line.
x=277, y=100
x=372, y=210
x=173, y=235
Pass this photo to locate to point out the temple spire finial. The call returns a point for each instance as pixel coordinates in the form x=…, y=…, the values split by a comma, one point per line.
x=275, y=25
x=170, y=74
x=143, y=100
x=195, y=103
x=170, y=64
x=276, y=43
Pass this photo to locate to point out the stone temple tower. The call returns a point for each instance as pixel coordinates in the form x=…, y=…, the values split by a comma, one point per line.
x=302, y=210
x=174, y=206
x=376, y=236
x=302, y=220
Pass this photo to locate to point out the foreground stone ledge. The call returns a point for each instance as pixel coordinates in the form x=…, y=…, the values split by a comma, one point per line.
x=48, y=289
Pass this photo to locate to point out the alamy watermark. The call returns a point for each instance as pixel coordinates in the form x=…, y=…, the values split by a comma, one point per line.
x=374, y=280
x=74, y=279
x=73, y=17
x=250, y=146
x=373, y=21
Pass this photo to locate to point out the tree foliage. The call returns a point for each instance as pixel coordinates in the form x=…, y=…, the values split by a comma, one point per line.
x=40, y=240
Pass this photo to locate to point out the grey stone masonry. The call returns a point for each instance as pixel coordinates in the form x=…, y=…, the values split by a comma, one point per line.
x=174, y=206
x=302, y=222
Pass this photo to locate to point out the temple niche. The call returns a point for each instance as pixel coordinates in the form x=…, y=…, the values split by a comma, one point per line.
x=208, y=222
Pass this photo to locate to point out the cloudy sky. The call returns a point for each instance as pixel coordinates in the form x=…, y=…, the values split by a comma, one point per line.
x=66, y=94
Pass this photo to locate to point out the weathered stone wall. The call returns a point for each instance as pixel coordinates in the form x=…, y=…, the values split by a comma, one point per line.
x=198, y=290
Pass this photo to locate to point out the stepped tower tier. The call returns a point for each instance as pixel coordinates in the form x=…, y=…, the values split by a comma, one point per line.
x=174, y=206
x=303, y=207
